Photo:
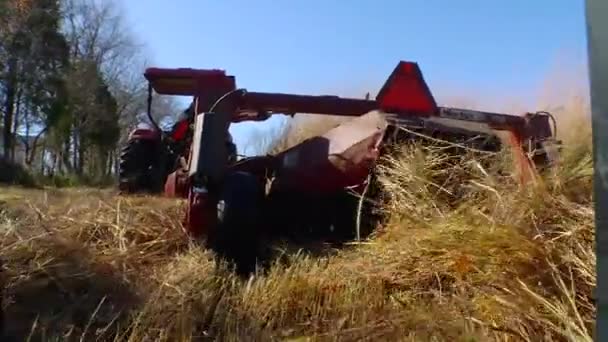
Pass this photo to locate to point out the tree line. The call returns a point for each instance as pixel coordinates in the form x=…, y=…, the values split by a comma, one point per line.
x=71, y=85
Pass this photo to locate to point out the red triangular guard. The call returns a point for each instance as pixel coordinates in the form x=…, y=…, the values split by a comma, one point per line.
x=406, y=92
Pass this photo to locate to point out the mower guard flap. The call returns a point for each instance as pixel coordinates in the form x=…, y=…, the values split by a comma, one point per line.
x=340, y=158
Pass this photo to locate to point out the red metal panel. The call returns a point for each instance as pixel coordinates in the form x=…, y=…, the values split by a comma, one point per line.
x=338, y=159
x=170, y=185
x=153, y=74
x=188, y=82
x=493, y=120
x=525, y=170
x=176, y=185
x=310, y=104
x=201, y=214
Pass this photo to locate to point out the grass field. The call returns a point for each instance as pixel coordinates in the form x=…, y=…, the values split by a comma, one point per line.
x=465, y=254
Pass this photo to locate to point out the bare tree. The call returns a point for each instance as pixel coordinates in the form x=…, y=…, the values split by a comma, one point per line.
x=99, y=38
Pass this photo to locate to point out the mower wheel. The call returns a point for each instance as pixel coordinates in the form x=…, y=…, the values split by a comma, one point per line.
x=239, y=210
x=139, y=168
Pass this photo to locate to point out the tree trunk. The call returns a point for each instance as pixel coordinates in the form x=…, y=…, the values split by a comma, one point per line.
x=31, y=153
x=109, y=163
x=54, y=164
x=42, y=155
x=76, y=148
x=102, y=159
x=28, y=126
x=116, y=163
x=66, y=165
x=81, y=158
x=16, y=117
x=9, y=107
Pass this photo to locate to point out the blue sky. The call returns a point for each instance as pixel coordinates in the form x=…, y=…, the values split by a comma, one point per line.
x=465, y=48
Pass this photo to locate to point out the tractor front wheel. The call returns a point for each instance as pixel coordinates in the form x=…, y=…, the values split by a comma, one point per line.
x=238, y=216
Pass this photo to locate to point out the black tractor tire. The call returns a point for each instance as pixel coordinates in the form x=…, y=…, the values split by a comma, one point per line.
x=140, y=168
x=236, y=236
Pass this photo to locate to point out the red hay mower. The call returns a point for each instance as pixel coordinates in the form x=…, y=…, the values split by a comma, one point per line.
x=229, y=199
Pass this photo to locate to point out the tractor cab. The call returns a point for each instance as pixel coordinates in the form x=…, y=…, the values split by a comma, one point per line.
x=204, y=86
x=151, y=153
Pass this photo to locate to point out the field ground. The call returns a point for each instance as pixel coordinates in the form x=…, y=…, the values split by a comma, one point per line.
x=464, y=255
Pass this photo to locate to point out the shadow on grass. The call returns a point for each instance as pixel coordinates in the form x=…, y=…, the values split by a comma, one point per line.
x=318, y=227
x=56, y=290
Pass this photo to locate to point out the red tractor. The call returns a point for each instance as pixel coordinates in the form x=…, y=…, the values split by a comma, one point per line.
x=230, y=201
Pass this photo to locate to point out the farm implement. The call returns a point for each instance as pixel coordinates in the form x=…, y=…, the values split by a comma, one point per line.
x=231, y=199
